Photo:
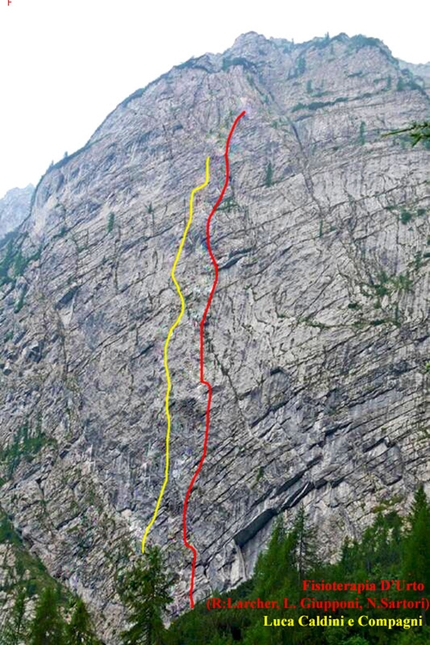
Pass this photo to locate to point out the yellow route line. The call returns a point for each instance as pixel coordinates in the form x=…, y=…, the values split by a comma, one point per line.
x=166, y=349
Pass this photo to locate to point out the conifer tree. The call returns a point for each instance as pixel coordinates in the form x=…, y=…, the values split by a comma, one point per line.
x=257, y=633
x=47, y=626
x=385, y=551
x=419, y=505
x=306, y=548
x=145, y=590
x=416, y=564
x=349, y=559
x=380, y=547
x=80, y=630
x=222, y=640
x=14, y=630
x=270, y=568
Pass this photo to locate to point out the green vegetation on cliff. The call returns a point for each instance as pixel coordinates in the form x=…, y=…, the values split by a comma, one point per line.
x=36, y=615
x=391, y=549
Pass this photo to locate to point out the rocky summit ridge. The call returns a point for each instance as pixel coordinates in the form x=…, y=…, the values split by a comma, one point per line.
x=317, y=343
x=14, y=208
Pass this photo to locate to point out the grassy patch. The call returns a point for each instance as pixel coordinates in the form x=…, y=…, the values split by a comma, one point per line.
x=29, y=572
x=405, y=217
x=238, y=61
x=269, y=175
x=25, y=445
x=362, y=133
x=14, y=263
x=317, y=105
x=111, y=222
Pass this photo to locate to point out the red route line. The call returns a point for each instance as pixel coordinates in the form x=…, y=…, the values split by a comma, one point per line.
x=202, y=378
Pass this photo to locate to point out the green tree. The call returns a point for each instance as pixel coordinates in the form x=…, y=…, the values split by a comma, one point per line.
x=47, y=626
x=111, y=222
x=417, y=132
x=301, y=66
x=306, y=540
x=269, y=175
x=416, y=563
x=362, y=133
x=257, y=634
x=145, y=590
x=379, y=552
x=289, y=558
x=80, y=630
x=15, y=629
x=221, y=640
x=415, y=638
x=385, y=551
x=277, y=565
x=336, y=636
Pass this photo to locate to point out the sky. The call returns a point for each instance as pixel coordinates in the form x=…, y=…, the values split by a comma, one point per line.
x=65, y=64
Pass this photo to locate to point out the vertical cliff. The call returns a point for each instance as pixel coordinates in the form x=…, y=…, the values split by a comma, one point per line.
x=317, y=339
x=14, y=208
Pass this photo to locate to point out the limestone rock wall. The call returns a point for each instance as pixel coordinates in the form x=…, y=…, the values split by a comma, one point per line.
x=14, y=208
x=317, y=342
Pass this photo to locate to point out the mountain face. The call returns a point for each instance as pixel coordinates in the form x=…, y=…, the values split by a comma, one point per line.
x=421, y=72
x=317, y=340
x=14, y=208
